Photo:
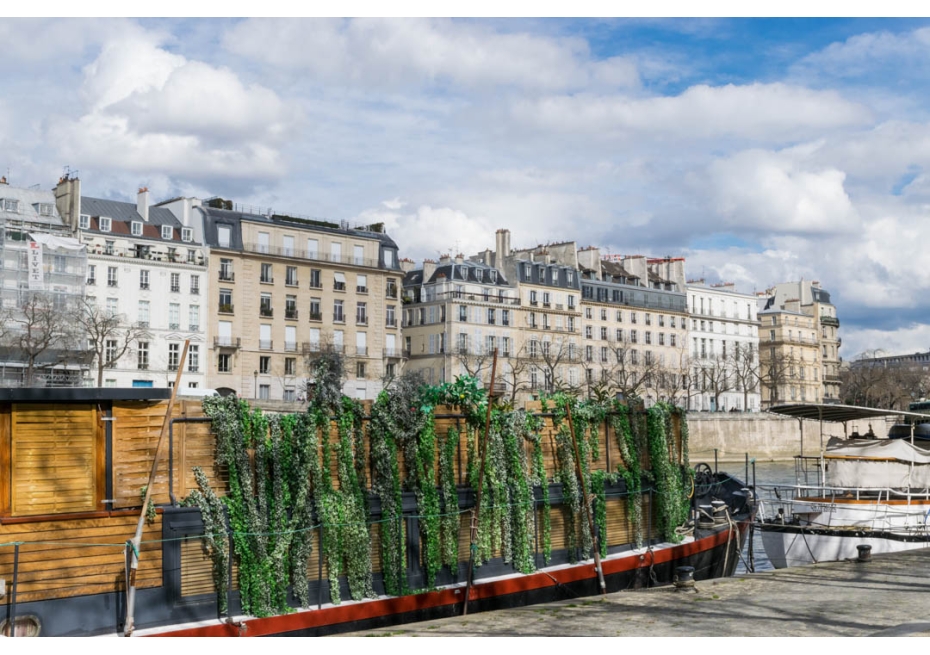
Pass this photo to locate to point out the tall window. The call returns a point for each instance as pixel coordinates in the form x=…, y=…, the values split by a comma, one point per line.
x=226, y=304
x=361, y=313
x=174, y=316
x=316, y=310
x=91, y=274
x=144, y=313
x=175, y=283
x=195, y=285
x=193, y=359
x=315, y=278
x=264, y=306
x=143, y=355
x=338, y=316
x=264, y=365
x=143, y=279
x=361, y=284
x=110, y=352
x=290, y=307
x=390, y=319
x=111, y=276
x=195, y=318
x=222, y=236
x=112, y=306
x=290, y=276
x=174, y=356
x=267, y=275
x=226, y=270
x=222, y=363
x=290, y=366
x=136, y=228
x=167, y=232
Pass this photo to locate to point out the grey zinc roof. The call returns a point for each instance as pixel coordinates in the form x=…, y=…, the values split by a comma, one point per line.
x=28, y=199
x=126, y=211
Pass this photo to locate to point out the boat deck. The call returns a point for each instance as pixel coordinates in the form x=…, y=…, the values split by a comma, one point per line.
x=837, y=599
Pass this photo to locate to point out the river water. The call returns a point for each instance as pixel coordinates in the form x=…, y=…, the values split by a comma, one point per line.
x=768, y=475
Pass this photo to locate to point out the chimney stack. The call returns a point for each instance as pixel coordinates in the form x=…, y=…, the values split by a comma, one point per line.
x=503, y=247
x=407, y=265
x=429, y=267
x=460, y=258
x=445, y=260
x=142, y=203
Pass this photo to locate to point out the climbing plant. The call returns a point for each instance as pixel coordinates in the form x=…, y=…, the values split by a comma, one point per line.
x=671, y=501
x=214, y=534
x=630, y=468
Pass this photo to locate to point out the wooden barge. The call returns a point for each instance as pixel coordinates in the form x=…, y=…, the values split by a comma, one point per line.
x=72, y=465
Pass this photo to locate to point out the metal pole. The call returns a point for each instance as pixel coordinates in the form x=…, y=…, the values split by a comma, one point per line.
x=747, y=468
x=587, y=502
x=473, y=547
x=137, y=538
x=13, y=592
x=715, y=461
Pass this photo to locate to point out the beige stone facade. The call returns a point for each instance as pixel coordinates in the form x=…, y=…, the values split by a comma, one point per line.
x=789, y=356
x=286, y=289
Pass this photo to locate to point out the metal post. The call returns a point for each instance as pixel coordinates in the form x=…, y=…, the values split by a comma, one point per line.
x=747, y=468
x=715, y=461
x=229, y=573
x=13, y=591
x=319, y=595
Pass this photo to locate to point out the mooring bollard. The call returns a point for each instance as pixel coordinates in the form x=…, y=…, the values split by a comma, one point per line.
x=684, y=577
x=865, y=553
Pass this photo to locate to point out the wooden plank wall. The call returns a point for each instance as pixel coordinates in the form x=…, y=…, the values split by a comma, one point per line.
x=136, y=428
x=78, y=557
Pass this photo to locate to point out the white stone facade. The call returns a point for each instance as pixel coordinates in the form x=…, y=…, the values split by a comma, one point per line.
x=723, y=325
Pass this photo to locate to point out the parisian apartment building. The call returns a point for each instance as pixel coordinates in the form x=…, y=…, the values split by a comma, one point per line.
x=723, y=348
x=285, y=289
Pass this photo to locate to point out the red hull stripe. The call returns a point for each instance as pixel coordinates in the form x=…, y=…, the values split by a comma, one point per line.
x=358, y=611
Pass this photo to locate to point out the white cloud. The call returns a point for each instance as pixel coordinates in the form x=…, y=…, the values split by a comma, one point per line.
x=431, y=231
x=153, y=111
x=911, y=338
x=760, y=112
x=763, y=191
x=426, y=51
x=863, y=54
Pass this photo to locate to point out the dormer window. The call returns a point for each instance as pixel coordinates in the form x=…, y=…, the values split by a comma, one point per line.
x=493, y=277
x=44, y=209
x=167, y=232
x=187, y=234
x=479, y=275
x=10, y=205
x=137, y=228
x=105, y=223
x=84, y=222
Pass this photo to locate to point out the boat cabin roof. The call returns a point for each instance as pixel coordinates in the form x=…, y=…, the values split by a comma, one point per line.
x=838, y=413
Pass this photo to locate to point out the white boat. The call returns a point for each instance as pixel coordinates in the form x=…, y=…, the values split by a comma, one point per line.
x=859, y=491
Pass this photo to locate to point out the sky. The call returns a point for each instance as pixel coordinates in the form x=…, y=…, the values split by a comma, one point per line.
x=761, y=150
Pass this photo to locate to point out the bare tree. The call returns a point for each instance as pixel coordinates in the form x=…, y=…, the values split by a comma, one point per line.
x=514, y=375
x=44, y=333
x=871, y=382
x=744, y=362
x=109, y=336
x=675, y=377
x=774, y=373
x=631, y=372
x=552, y=356
x=474, y=358
x=717, y=376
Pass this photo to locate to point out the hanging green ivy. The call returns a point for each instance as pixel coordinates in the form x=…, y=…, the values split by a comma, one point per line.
x=671, y=501
x=449, y=524
x=215, y=541
x=630, y=469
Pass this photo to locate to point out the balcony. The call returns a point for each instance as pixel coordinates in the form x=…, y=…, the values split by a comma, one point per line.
x=339, y=317
x=313, y=255
x=111, y=283
x=361, y=289
x=193, y=327
x=225, y=308
x=316, y=316
x=265, y=344
x=391, y=323
x=144, y=286
x=361, y=320
x=830, y=320
x=195, y=291
x=227, y=276
x=308, y=347
x=391, y=293
x=361, y=351
x=394, y=353
x=174, y=326
x=266, y=279
x=175, y=288
x=339, y=286
x=227, y=342
x=290, y=346
x=91, y=282
x=290, y=314
x=266, y=312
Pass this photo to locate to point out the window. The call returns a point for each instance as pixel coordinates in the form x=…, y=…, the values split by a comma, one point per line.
x=143, y=279
x=338, y=316
x=187, y=234
x=588, y=313
x=603, y=314
x=84, y=222
x=505, y=317
x=589, y=353
x=108, y=248
x=91, y=274
x=492, y=316
x=290, y=307
x=264, y=242
x=603, y=333
x=143, y=355
x=648, y=337
x=335, y=251
x=195, y=318
x=290, y=276
x=361, y=284
x=603, y=353
x=167, y=232
x=619, y=335
x=339, y=281
x=290, y=338
x=112, y=306
x=463, y=313
x=226, y=270
x=316, y=310
x=313, y=248
x=136, y=228
x=264, y=391
x=111, y=276
x=264, y=365
x=571, y=300
x=222, y=236
x=226, y=304
x=633, y=336
x=361, y=313
x=632, y=317
x=191, y=256
x=290, y=366
x=360, y=370
x=223, y=363
x=143, y=313
x=264, y=306
x=193, y=359
x=110, y=353
x=175, y=283
x=288, y=242
x=390, y=318
x=588, y=332
x=267, y=274
x=174, y=316
x=359, y=255
x=195, y=285
x=648, y=319
x=662, y=339
x=315, y=281
x=174, y=356
x=533, y=300
x=105, y=224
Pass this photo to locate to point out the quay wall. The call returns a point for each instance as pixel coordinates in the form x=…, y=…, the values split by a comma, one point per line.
x=763, y=436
